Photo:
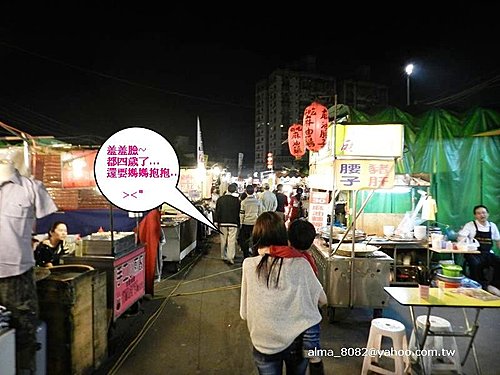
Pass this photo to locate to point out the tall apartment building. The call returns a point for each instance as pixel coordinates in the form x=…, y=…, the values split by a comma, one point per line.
x=281, y=99
x=279, y=102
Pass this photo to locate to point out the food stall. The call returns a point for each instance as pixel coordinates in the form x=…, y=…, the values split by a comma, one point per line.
x=122, y=260
x=356, y=158
x=180, y=233
x=348, y=282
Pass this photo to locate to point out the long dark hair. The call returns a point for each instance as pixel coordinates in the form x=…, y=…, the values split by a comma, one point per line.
x=54, y=226
x=269, y=229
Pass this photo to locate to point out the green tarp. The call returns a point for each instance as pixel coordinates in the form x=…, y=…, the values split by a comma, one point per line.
x=464, y=170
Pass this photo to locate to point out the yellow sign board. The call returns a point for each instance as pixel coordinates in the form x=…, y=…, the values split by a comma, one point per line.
x=364, y=174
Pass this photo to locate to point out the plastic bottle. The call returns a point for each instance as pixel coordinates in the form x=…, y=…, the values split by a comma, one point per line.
x=78, y=246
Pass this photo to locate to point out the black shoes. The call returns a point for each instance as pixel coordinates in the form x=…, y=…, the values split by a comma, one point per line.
x=316, y=368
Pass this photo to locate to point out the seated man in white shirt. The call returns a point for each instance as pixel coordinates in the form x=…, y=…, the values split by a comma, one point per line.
x=486, y=233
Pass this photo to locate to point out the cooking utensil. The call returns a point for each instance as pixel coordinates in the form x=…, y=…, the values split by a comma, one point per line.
x=360, y=249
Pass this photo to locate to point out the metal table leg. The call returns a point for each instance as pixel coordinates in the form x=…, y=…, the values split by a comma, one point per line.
x=420, y=341
x=473, y=329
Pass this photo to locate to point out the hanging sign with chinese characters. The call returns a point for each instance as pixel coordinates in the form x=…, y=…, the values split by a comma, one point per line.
x=364, y=174
x=315, y=126
x=296, y=141
x=318, y=208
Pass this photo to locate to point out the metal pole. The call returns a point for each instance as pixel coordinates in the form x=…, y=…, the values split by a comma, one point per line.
x=407, y=89
x=353, y=253
x=334, y=192
x=111, y=229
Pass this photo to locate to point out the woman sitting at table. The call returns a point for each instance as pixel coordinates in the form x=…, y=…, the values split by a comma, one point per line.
x=48, y=253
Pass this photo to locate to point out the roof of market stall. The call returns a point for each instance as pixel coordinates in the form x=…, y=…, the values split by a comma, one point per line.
x=463, y=166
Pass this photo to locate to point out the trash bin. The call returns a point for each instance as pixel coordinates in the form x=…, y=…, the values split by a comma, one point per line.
x=73, y=304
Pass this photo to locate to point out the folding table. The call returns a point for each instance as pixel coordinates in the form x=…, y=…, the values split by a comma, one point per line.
x=444, y=298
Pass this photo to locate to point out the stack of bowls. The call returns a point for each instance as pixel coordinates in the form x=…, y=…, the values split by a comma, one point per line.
x=451, y=276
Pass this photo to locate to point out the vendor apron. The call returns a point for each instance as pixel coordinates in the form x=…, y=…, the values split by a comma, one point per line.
x=484, y=239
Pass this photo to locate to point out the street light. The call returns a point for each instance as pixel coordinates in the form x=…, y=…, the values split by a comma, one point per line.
x=409, y=71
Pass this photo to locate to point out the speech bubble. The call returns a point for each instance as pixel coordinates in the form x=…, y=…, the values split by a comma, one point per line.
x=137, y=169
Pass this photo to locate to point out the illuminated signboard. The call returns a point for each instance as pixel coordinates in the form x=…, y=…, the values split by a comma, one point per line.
x=369, y=140
x=364, y=174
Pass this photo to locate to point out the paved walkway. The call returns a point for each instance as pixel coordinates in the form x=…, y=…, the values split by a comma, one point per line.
x=195, y=327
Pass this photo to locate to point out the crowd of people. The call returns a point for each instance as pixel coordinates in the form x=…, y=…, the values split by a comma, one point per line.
x=235, y=214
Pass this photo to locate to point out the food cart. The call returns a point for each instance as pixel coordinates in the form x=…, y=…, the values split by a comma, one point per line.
x=180, y=233
x=122, y=260
x=357, y=157
x=348, y=282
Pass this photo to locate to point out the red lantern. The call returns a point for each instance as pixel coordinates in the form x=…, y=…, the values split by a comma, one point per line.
x=315, y=126
x=270, y=160
x=296, y=141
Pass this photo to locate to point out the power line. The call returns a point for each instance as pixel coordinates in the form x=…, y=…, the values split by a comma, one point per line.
x=123, y=80
x=464, y=93
x=28, y=120
x=39, y=114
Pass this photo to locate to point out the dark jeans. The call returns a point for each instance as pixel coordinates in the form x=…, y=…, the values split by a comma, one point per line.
x=272, y=364
x=18, y=294
x=246, y=239
x=479, y=265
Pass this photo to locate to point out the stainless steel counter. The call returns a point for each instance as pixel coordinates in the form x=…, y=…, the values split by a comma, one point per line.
x=181, y=239
x=371, y=275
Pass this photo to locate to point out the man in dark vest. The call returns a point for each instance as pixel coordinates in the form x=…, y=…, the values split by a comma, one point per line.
x=486, y=233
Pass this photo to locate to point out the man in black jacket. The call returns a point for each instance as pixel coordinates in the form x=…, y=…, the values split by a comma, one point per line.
x=227, y=215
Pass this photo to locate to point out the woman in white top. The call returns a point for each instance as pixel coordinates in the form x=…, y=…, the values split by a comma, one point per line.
x=279, y=301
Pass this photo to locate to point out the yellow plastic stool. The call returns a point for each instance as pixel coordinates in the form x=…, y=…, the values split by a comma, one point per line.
x=395, y=330
x=440, y=362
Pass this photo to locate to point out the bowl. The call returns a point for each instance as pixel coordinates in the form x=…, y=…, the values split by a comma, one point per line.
x=449, y=279
x=446, y=284
x=420, y=232
x=452, y=270
x=388, y=230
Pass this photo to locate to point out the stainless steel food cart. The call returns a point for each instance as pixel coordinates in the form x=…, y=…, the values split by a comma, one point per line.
x=181, y=239
x=363, y=289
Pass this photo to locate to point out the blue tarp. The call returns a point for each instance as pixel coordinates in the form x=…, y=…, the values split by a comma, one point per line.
x=88, y=221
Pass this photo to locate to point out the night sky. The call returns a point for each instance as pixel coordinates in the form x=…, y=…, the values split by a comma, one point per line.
x=88, y=83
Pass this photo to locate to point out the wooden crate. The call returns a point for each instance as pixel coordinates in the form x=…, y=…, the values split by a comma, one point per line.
x=101, y=318
x=73, y=304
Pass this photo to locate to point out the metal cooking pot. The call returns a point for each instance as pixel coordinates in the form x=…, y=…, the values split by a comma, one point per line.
x=360, y=249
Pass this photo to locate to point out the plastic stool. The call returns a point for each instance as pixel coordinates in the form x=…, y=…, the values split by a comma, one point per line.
x=381, y=327
x=439, y=362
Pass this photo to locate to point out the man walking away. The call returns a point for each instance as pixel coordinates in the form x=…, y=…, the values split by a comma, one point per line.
x=227, y=215
x=251, y=208
x=268, y=199
x=282, y=201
